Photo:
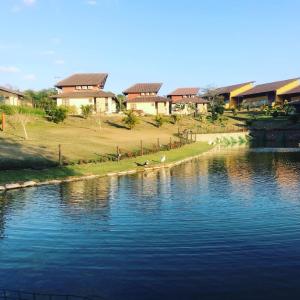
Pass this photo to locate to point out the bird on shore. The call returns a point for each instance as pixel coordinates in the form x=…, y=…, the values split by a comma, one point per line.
x=163, y=159
x=144, y=164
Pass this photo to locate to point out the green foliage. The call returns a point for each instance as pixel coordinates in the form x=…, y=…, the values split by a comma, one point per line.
x=41, y=99
x=175, y=119
x=11, y=110
x=287, y=108
x=234, y=112
x=7, y=109
x=130, y=119
x=86, y=110
x=216, y=103
x=121, y=102
x=159, y=120
x=72, y=110
x=57, y=114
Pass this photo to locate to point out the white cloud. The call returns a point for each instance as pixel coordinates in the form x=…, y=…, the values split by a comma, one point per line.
x=91, y=2
x=29, y=2
x=30, y=77
x=9, y=69
x=48, y=52
x=59, y=62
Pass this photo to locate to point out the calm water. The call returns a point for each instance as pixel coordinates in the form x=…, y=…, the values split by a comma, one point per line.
x=224, y=227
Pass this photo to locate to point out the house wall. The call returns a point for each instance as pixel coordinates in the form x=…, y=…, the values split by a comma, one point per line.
x=233, y=103
x=285, y=88
x=66, y=89
x=163, y=108
x=107, y=105
x=257, y=99
x=201, y=108
x=146, y=107
x=131, y=96
x=9, y=98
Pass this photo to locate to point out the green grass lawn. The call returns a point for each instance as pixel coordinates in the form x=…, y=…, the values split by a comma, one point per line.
x=102, y=168
x=83, y=139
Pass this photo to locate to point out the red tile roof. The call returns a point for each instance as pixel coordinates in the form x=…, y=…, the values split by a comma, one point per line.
x=98, y=79
x=267, y=87
x=143, y=88
x=295, y=90
x=196, y=99
x=231, y=88
x=185, y=91
x=148, y=99
x=7, y=90
x=84, y=94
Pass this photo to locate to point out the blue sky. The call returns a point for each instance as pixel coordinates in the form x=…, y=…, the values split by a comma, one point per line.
x=179, y=43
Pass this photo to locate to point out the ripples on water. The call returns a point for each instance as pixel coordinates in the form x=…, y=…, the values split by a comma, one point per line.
x=223, y=227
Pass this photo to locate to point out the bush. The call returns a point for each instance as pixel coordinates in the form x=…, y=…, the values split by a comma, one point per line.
x=159, y=120
x=86, y=110
x=30, y=110
x=72, y=109
x=57, y=114
x=175, y=119
x=7, y=109
x=275, y=113
x=130, y=119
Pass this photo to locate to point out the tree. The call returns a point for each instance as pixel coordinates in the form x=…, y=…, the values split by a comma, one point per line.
x=159, y=120
x=23, y=120
x=42, y=98
x=130, y=119
x=121, y=102
x=216, y=102
x=86, y=110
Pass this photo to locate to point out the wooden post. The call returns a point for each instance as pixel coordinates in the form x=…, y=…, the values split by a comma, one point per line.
x=170, y=143
x=142, y=149
x=3, y=121
x=158, y=144
x=59, y=155
x=118, y=153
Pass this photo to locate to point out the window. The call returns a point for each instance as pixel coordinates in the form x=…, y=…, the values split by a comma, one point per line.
x=133, y=106
x=78, y=87
x=90, y=87
x=84, y=87
x=153, y=94
x=143, y=94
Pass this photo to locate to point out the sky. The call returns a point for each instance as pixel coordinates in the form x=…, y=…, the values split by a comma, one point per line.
x=197, y=43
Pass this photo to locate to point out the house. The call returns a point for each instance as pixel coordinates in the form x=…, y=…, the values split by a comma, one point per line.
x=186, y=101
x=293, y=97
x=230, y=93
x=10, y=97
x=143, y=97
x=267, y=93
x=85, y=89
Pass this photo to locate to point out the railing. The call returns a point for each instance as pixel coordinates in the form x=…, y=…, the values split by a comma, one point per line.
x=6, y=294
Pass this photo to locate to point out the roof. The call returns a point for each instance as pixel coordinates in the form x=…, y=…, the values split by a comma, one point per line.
x=230, y=88
x=148, y=99
x=185, y=91
x=7, y=90
x=83, y=94
x=267, y=87
x=84, y=79
x=295, y=90
x=143, y=88
x=196, y=99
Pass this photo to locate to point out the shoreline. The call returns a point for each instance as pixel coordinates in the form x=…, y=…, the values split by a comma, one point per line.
x=21, y=179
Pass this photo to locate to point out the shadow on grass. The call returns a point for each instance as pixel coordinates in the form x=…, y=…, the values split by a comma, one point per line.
x=116, y=125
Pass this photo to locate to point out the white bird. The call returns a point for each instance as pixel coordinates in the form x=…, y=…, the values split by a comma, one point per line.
x=163, y=159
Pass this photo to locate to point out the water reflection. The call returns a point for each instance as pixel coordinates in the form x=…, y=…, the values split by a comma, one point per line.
x=226, y=224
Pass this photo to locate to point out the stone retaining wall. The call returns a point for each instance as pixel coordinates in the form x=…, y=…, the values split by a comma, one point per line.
x=212, y=137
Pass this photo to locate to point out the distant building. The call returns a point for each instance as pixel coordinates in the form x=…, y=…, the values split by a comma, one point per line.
x=10, y=97
x=293, y=97
x=86, y=89
x=268, y=93
x=143, y=97
x=186, y=101
x=230, y=93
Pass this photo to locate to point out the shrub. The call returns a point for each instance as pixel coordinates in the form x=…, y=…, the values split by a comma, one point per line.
x=7, y=109
x=86, y=110
x=30, y=110
x=175, y=119
x=72, y=110
x=159, y=120
x=57, y=114
x=275, y=113
x=233, y=110
x=130, y=119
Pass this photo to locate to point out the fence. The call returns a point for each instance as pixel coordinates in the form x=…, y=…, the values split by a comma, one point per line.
x=6, y=294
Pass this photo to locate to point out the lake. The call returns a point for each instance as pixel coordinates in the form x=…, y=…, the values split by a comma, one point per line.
x=226, y=226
